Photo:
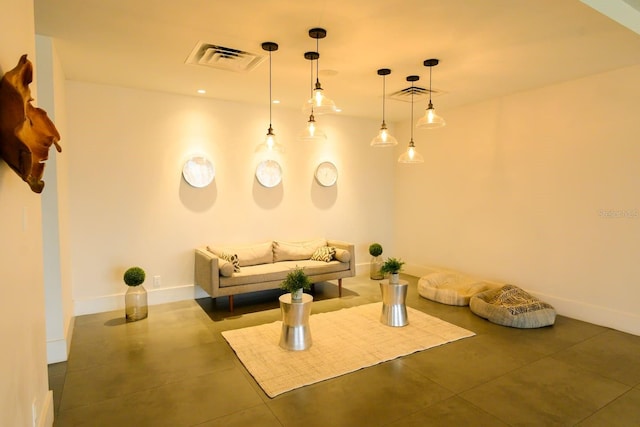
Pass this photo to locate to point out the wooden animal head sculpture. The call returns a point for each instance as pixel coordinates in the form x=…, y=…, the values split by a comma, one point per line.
x=26, y=133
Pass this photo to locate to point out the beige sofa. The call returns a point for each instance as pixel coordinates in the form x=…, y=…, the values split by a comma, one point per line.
x=237, y=269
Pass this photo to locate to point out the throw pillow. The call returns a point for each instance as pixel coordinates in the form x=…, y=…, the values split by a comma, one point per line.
x=233, y=259
x=324, y=253
x=342, y=255
x=225, y=268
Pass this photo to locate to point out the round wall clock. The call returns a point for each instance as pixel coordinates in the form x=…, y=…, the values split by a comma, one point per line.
x=269, y=173
x=198, y=171
x=326, y=174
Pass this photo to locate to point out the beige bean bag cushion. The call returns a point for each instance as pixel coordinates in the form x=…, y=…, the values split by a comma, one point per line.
x=452, y=288
x=512, y=306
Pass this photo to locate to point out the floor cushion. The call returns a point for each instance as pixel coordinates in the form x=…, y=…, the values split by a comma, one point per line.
x=512, y=306
x=452, y=288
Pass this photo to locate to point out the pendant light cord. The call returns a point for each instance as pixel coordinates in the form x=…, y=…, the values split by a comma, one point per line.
x=412, y=92
x=430, y=70
x=270, y=123
x=384, y=91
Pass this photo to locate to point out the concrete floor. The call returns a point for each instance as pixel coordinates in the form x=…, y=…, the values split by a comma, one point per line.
x=175, y=369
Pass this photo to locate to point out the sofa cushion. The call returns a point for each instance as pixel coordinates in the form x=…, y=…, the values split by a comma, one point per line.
x=233, y=259
x=293, y=251
x=512, y=306
x=278, y=271
x=259, y=253
x=342, y=255
x=324, y=253
x=225, y=268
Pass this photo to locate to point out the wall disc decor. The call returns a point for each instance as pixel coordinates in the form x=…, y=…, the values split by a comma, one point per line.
x=269, y=173
x=198, y=171
x=326, y=174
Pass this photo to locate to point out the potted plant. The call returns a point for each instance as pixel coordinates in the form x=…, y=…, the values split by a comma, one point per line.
x=392, y=267
x=295, y=282
x=135, y=300
x=375, y=250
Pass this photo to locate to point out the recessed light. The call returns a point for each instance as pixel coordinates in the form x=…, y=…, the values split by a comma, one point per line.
x=202, y=91
x=276, y=101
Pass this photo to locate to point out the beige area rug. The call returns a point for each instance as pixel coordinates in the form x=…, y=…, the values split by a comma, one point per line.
x=343, y=341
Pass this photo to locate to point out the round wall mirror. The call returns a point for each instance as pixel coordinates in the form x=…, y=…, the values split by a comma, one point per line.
x=198, y=171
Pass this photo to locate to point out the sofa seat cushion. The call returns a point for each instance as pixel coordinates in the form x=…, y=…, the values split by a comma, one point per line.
x=279, y=270
x=258, y=253
x=512, y=306
x=293, y=251
x=452, y=288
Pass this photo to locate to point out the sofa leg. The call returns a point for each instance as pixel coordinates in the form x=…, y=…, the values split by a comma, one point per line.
x=340, y=288
x=231, y=303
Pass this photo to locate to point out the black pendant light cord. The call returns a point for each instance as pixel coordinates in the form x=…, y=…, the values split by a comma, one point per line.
x=384, y=91
x=412, y=112
x=270, y=124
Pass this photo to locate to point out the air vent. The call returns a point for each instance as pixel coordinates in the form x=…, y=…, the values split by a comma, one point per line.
x=223, y=58
x=419, y=94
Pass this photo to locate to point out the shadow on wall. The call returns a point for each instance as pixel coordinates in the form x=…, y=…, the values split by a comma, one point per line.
x=197, y=199
x=323, y=197
x=268, y=198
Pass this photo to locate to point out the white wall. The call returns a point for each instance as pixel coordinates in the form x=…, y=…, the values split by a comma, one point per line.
x=23, y=364
x=57, y=282
x=523, y=188
x=130, y=206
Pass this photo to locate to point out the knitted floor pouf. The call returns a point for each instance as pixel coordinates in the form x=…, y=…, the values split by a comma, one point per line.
x=452, y=288
x=512, y=306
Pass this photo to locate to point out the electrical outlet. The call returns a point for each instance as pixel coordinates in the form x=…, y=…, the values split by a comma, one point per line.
x=156, y=281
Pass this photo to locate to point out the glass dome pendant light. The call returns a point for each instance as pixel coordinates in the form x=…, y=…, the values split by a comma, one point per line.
x=311, y=131
x=411, y=155
x=384, y=138
x=319, y=101
x=430, y=120
x=270, y=143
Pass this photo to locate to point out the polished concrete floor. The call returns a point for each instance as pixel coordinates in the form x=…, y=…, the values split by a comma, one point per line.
x=175, y=369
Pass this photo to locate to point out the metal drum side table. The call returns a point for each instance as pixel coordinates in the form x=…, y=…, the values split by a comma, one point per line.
x=295, y=334
x=394, y=309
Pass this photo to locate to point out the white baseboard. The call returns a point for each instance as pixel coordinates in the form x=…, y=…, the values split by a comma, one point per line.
x=154, y=296
x=45, y=417
x=598, y=315
x=579, y=310
x=57, y=351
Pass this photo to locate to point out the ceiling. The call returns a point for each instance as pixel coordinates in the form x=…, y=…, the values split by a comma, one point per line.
x=486, y=48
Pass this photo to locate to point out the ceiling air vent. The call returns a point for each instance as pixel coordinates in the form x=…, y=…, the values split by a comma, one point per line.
x=419, y=94
x=224, y=58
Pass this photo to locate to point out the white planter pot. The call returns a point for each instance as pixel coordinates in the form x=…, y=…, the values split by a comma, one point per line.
x=296, y=295
x=394, y=278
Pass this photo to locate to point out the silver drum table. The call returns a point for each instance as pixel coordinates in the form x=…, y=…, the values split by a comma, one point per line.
x=295, y=334
x=394, y=309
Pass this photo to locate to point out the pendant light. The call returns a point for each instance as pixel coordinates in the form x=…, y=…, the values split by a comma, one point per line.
x=411, y=155
x=320, y=102
x=430, y=120
x=270, y=143
x=384, y=138
x=311, y=131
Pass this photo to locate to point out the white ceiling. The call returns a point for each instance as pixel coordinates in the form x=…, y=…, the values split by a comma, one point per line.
x=486, y=48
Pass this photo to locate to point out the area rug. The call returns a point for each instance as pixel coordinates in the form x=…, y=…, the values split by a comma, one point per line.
x=343, y=341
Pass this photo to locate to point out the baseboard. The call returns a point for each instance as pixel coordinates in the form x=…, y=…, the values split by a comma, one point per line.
x=598, y=315
x=45, y=418
x=579, y=310
x=116, y=301
x=57, y=351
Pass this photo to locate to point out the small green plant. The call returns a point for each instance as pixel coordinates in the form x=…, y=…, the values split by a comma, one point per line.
x=296, y=279
x=375, y=249
x=391, y=266
x=134, y=276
